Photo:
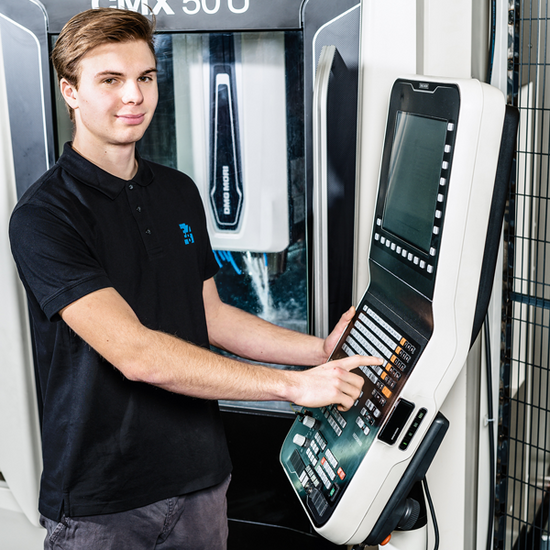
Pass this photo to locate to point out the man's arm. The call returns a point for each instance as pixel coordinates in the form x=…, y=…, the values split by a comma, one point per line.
x=108, y=324
x=250, y=337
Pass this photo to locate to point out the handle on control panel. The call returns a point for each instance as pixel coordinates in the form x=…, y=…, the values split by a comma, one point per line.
x=496, y=216
x=320, y=191
x=393, y=511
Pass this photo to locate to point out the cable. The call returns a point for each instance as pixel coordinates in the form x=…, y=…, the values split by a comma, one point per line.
x=491, y=420
x=432, y=512
x=222, y=256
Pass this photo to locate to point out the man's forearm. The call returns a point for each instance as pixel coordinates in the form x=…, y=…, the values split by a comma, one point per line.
x=178, y=366
x=250, y=337
x=253, y=338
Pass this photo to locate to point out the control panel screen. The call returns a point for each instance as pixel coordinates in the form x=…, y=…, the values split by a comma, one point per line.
x=414, y=182
x=413, y=178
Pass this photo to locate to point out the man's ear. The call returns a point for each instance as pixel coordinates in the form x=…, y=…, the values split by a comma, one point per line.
x=69, y=92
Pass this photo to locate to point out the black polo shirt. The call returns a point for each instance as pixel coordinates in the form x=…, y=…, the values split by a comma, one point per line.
x=110, y=444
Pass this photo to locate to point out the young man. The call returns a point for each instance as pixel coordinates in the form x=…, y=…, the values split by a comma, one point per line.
x=123, y=312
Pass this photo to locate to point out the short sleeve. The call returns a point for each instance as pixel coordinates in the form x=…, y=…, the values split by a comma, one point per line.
x=54, y=263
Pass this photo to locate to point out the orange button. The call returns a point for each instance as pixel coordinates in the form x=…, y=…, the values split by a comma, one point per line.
x=393, y=358
x=386, y=392
x=385, y=541
x=403, y=341
x=398, y=350
x=383, y=375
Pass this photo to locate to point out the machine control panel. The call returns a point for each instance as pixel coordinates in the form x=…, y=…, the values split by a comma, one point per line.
x=443, y=154
x=327, y=445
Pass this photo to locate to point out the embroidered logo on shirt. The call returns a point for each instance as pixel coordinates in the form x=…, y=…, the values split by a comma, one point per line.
x=187, y=234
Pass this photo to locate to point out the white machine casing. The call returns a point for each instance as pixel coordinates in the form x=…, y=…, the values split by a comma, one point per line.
x=261, y=118
x=476, y=153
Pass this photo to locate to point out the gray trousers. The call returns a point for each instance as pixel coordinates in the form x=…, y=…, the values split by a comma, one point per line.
x=197, y=521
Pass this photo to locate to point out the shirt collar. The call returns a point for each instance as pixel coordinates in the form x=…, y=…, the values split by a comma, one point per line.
x=94, y=176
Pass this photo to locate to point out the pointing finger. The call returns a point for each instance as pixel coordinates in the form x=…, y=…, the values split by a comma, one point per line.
x=356, y=361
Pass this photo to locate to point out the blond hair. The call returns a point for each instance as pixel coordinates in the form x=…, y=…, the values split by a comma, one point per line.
x=92, y=28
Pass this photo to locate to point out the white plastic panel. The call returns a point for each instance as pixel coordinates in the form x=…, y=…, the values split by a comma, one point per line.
x=20, y=446
x=261, y=111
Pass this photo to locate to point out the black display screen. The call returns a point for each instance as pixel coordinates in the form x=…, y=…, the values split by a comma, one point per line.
x=413, y=178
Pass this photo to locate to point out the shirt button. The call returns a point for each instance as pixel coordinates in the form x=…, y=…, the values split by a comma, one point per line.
x=138, y=209
x=148, y=231
x=130, y=186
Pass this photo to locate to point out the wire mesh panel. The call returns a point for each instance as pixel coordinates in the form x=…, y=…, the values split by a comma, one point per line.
x=523, y=489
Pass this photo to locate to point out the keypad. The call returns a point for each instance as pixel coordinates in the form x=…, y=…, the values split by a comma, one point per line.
x=326, y=463
x=372, y=335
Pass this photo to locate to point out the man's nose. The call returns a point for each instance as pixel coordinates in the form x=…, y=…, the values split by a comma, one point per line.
x=132, y=92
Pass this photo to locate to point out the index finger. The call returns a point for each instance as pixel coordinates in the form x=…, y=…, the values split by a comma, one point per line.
x=355, y=361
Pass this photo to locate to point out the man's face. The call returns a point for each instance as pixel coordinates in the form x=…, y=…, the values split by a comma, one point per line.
x=116, y=95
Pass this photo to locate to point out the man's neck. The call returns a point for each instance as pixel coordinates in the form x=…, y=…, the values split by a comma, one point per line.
x=118, y=160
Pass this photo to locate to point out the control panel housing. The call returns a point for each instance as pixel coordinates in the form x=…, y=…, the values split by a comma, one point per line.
x=437, y=177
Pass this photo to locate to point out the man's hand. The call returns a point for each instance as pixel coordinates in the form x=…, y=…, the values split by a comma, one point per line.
x=332, y=383
x=333, y=338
